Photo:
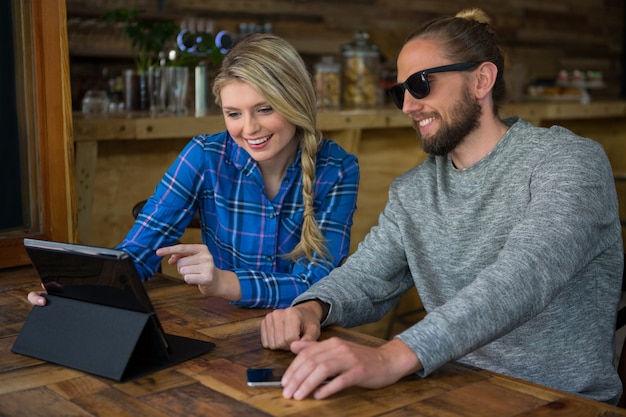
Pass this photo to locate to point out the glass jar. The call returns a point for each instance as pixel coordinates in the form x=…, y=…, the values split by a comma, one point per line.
x=95, y=101
x=328, y=82
x=360, y=72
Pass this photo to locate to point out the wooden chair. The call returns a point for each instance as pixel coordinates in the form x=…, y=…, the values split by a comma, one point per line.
x=195, y=221
x=621, y=366
x=408, y=311
x=620, y=323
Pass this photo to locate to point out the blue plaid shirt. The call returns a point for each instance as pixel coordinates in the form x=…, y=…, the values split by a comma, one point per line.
x=245, y=231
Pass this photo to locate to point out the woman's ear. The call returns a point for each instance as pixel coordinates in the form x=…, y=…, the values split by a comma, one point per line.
x=486, y=75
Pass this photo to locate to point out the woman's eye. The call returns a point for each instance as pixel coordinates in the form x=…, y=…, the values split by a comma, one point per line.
x=265, y=110
x=232, y=114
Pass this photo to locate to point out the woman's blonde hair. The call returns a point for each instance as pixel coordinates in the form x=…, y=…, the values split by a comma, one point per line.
x=274, y=68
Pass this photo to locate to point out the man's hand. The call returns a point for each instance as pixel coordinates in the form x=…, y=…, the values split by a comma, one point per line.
x=349, y=363
x=195, y=264
x=301, y=322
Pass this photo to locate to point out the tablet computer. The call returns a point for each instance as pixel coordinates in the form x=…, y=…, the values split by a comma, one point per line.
x=107, y=324
x=89, y=273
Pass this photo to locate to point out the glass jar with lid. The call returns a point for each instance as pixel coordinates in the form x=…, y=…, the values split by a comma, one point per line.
x=95, y=101
x=328, y=82
x=360, y=72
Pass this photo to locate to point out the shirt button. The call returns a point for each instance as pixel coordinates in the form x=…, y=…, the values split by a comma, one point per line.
x=272, y=216
x=285, y=180
x=268, y=258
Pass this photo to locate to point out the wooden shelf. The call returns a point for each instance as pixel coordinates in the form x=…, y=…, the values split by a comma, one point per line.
x=120, y=158
x=139, y=126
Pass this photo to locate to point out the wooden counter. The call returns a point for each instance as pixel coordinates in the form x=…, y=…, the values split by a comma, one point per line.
x=214, y=384
x=140, y=127
x=119, y=160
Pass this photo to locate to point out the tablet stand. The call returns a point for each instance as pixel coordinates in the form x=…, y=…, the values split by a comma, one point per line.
x=107, y=341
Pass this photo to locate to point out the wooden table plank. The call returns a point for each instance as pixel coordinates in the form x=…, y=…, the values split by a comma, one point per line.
x=199, y=400
x=39, y=402
x=214, y=384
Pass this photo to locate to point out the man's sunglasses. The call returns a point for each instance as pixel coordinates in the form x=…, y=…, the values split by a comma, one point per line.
x=417, y=84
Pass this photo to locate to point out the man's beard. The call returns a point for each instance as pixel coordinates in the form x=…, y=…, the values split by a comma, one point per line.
x=466, y=113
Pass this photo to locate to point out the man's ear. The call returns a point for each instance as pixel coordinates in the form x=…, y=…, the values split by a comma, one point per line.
x=486, y=75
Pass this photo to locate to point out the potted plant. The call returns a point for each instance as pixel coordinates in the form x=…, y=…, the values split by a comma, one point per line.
x=148, y=38
x=203, y=52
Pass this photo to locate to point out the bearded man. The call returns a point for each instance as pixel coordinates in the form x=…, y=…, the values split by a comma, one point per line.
x=509, y=232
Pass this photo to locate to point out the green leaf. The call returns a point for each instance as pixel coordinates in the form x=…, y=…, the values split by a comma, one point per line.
x=148, y=37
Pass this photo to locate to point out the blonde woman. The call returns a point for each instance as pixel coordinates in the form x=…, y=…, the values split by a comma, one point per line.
x=275, y=199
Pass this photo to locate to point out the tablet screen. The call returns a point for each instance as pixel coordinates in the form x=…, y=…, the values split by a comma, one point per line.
x=87, y=273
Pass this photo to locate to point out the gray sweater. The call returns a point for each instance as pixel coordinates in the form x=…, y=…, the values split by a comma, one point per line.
x=518, y=260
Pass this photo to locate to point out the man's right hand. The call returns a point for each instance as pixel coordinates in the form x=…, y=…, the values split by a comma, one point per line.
x=300, y=322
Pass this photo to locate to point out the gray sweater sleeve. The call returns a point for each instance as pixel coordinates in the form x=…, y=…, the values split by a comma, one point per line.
x=370, y=282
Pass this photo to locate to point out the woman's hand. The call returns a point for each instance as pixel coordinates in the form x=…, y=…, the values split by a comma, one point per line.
x=195, y=264
x=36, y=298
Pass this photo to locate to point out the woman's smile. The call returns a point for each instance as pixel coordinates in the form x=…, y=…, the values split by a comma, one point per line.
x=259, y=141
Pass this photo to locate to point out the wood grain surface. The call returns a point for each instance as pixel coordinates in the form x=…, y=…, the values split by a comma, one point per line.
x=214, y=384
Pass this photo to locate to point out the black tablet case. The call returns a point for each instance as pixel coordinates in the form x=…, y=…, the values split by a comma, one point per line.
x=106, y=341
x=109, y=341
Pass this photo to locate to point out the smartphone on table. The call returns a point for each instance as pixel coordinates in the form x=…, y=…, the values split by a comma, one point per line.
x=265, y=377
x=269, y=377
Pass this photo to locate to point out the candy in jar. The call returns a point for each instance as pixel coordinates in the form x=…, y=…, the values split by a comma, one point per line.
x=328, y=82
x=360, y=72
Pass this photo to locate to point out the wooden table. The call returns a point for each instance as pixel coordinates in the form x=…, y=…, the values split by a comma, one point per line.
x=214, y=384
